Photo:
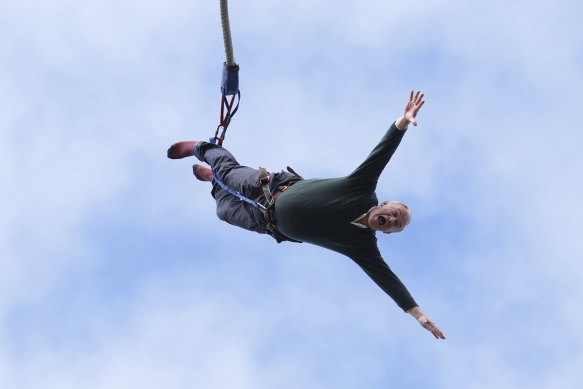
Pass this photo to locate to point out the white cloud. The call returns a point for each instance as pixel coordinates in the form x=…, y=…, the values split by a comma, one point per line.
x=92, y=94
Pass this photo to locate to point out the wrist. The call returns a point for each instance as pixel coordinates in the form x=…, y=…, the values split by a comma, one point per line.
x=415, y=312
x=402, y=123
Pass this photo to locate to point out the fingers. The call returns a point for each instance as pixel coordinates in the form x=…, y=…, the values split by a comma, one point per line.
x=416, y=100
x=416, y=97
x=418, y=107
x=413, y=106
x=437, y=332
x=431, y=327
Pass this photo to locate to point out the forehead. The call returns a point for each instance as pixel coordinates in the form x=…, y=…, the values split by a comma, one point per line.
x=387, y=208
x=395, y=206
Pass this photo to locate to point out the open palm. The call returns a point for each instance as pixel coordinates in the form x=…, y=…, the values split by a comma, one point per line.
x=413, y=106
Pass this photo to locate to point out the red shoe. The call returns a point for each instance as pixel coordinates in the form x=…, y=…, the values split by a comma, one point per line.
x=202, y=173
x=182, y=149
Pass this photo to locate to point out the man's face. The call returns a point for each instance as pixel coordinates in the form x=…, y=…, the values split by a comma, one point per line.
x=388, y=217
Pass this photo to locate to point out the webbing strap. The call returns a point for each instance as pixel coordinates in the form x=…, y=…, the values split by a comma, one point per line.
x=228, y=110
x=267, y=212
x=237, y=194
x=264, y=179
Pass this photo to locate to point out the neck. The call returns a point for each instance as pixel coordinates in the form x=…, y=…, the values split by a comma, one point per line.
x=364, y=220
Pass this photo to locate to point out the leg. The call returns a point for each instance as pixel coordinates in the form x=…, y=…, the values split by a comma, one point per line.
x=236, y=212
x=243, y=179
x=240, y=178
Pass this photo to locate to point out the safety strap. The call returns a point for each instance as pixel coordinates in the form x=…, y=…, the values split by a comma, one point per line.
x=264, y=179
x=268, y=209
x=292, y=171
x=228, y=110
x=238, y=195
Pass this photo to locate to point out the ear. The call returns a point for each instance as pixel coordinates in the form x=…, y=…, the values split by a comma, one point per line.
x=384, y=203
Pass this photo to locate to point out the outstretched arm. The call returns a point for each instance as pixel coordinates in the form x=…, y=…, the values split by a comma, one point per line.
x=410, y=112
x=368, y=172
x=425, y=322
x=378, y=270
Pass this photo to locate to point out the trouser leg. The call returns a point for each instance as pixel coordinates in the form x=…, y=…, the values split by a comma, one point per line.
x=236, y=212
x=243, y=179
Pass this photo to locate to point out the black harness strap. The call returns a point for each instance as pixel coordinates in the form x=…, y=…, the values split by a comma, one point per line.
x=264, y=179
x=268, y=210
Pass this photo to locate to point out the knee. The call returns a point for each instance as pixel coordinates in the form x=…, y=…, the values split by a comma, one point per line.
x=221, y=214
x=225, y=212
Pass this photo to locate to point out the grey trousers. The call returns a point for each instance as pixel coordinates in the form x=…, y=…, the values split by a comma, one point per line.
x=242, y=179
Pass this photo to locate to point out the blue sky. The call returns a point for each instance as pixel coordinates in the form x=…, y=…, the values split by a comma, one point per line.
x=115, y=272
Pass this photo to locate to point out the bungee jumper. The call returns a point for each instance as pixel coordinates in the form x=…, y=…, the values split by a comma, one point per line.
x=341, y=214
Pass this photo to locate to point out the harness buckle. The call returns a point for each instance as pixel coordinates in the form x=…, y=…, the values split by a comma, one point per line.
x=264, y=180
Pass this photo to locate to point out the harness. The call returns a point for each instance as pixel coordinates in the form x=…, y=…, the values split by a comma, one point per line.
x=266, y=202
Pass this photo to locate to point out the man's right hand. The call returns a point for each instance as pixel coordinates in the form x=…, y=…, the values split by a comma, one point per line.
x=426, y=323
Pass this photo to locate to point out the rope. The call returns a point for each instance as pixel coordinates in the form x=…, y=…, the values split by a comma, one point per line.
x=227, y=33
x=229, y=81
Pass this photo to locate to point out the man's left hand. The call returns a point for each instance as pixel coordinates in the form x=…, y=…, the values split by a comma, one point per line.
x=410, y=112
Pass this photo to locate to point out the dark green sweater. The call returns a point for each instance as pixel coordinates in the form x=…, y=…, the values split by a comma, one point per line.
x=320, y=212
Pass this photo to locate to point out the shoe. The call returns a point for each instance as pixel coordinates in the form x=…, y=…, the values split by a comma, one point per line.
x=202, y=173
x=181, y=150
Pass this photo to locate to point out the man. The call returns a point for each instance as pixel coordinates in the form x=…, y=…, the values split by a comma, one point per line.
x=339, y=214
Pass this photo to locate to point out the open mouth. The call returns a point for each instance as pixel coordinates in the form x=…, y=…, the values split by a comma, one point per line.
x=382, y=220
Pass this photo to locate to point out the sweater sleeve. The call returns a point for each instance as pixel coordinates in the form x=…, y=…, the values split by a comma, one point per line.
x=377, y=269
x=368, y=172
